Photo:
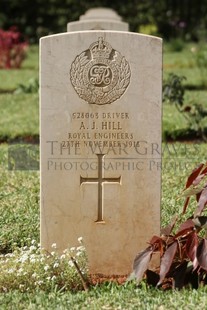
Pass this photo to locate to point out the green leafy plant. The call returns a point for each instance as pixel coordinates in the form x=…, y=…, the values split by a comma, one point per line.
x=31, y=87
x=177, y=45
x=183, y=253
x=174, y=90
x=12, y=48
x=195, y=113
x=173, y=93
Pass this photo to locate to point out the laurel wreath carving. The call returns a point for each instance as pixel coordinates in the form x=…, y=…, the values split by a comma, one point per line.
x=95, y=95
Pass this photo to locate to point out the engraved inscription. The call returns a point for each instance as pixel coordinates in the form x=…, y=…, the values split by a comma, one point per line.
x=100, y=75
x=100, y=180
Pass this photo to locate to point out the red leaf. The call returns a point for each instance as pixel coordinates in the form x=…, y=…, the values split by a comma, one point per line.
x=191, y=248
x=168, y=229
x=157, y=244
x=166, y=261
x=205, y=170
x=202, y=202
x=198, y=179
x=155, y=239
x=186, y=204
x=193, y=175
x=185, y=228
x=202, y=254
x=141, y=262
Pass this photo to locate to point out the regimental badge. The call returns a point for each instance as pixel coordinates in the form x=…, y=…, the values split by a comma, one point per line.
x=100, y=74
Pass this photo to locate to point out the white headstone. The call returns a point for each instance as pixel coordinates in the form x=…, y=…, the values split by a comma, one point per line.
x=98, y=19
x=100, y=142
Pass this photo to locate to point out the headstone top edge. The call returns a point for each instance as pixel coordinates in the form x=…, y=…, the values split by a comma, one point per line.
x=101, y=32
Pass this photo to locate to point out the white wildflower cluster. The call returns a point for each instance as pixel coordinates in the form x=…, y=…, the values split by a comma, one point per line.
x=31, y=267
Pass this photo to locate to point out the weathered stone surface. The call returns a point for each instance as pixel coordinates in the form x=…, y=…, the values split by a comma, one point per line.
x=98, y=19
x=100, y=144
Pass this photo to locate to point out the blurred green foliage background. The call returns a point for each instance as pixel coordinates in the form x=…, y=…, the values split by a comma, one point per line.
x=168, y=18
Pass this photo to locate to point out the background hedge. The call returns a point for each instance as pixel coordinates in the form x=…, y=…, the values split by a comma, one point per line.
x=167, y=18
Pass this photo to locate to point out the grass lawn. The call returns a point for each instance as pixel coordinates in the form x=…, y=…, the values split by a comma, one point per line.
x=28, y=71
x=19, y=116
x=183, y=63
x=108, y=297
x=19, y=192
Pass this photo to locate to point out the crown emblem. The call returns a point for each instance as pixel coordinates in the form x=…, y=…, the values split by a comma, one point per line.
x=100, y=74
x=100, y=49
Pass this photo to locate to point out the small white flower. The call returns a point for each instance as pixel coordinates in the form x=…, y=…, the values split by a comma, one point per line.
x=21, y=286
x=34, y=275
x=46, y=267
x=54, y=245
x=9, y=255
x=53, y=278
x=32, y=255
x=70, y=263
x=11, y=270
x=24, y=258
x=80, y=239
x=56, y=265
x=62, y=256
x=80, y=248
x=32, y=247
x=33, y=241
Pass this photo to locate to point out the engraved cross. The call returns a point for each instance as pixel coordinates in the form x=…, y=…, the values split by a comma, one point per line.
x=100, y=180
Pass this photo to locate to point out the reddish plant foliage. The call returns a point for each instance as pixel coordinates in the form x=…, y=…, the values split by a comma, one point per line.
x=183, y=253
x=12, y=49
